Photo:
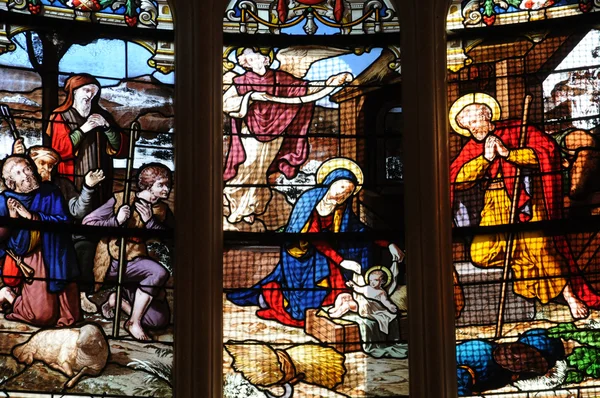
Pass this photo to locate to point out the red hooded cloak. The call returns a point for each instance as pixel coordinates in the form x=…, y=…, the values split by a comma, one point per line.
x=549, y=164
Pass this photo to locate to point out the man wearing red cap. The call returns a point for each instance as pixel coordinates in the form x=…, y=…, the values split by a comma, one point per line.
x=84, y=134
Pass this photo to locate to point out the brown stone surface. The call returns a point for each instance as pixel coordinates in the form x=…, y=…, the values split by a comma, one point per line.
x=486, y=282
x=245, y=268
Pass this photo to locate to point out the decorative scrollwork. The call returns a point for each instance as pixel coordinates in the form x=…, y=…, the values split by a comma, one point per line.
x=247, y=14
x=17, y=4
x=149, y=13
x=248, y=5
x=388, y=15
x=472, y=14
x=373, y=4
x=396, y=64
x=230, y=15
x=227, y=64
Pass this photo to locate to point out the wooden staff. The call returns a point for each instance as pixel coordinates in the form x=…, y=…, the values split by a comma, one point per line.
x=513, y=215
x=6, y=115
x=133, y=136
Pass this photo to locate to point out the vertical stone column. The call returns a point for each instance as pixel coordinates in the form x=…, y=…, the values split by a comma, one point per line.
x=428, y=217
x=198, y=178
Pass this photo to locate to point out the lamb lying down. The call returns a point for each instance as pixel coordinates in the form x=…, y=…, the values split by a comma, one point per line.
x=76, y=352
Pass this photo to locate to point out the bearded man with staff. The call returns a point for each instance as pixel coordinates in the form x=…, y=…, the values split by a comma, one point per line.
x=542, y=266
x=271, y=111
x=85, y=135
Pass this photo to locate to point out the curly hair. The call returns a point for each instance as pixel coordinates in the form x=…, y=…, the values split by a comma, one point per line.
x=150, y=173
x=11, y=162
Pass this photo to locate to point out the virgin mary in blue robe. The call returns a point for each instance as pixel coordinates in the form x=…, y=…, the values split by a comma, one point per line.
x=308, y=274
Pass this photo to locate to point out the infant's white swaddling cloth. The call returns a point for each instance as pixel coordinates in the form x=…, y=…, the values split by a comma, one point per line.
x=373, y=309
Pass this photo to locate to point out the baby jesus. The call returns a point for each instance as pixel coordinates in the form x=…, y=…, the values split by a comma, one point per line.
x=374, y=290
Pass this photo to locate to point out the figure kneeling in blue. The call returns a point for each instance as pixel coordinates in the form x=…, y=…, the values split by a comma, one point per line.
x=484, y=365
x=312, y=272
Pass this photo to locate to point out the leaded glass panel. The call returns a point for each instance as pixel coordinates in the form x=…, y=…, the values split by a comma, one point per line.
x=152, y=14
x=86, y=213
x=310, y=17
x=523, y=117
x=482, y=13
x=314, y=276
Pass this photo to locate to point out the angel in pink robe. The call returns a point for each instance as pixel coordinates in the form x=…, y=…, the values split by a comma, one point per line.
x=271, y=111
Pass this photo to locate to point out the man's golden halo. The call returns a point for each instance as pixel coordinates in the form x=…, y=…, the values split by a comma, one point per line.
x=386, y=270
x=469, y=99
x=340, y=163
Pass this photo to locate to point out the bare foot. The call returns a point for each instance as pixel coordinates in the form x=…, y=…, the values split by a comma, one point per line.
x=108, y=308
x=577, y=307
x=87, y=305
x=136, y=330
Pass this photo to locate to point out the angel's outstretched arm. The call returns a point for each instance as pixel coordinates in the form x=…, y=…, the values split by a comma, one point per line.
x=315, y=86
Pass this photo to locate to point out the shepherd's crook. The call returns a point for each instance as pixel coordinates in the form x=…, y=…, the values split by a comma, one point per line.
x=133, y=136
x=513, y=215
x=6, y=115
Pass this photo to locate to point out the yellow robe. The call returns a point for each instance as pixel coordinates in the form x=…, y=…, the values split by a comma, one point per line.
x=538, y=269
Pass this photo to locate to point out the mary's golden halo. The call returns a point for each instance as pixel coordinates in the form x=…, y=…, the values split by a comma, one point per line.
x=340, y=163
x=469, y=99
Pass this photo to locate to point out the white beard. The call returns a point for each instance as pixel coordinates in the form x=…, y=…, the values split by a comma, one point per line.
x=84, y=108
x=28, y=185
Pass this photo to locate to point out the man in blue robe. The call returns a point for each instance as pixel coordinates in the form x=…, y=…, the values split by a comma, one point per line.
x=50, y=297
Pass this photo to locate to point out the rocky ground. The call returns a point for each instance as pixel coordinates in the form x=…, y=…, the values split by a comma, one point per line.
x=134, y=369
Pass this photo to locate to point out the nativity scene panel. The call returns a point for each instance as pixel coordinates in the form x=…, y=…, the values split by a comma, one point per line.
x=314, y=276
x=523, y=115
x=87, y=194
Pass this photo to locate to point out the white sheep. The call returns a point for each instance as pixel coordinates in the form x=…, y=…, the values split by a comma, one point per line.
x=76, y=352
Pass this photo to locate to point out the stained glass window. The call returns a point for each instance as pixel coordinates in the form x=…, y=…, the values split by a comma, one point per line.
x=481, y=13
x=314, y=298
x=524, y=147
x=310, y=17
x=86, y=206
x=153, y=14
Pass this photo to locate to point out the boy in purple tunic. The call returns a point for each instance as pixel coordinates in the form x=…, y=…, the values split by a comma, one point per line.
x=144, y=278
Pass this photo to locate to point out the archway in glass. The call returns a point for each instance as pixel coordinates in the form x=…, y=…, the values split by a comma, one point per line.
x=314, y=277
x=524, y=164
x=86, y=201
